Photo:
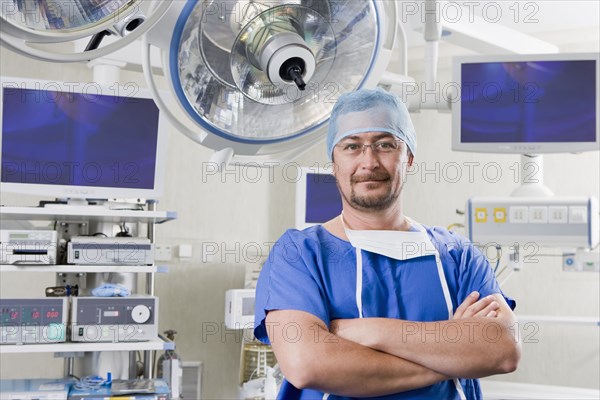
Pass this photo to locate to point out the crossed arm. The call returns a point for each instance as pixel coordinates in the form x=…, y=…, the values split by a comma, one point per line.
x=466, y=346
x=379, y=356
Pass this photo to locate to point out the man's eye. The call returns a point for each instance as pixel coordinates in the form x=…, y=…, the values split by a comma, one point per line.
x=351, y=147
x=386, y=145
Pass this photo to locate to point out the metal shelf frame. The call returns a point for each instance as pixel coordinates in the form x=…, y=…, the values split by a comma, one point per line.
x=67, y=347
x=84, y=214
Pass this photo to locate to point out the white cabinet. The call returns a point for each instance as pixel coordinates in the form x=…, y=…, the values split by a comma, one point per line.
x=64, y=217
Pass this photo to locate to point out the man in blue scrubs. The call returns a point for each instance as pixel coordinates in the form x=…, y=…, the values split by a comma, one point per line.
x=373, y=304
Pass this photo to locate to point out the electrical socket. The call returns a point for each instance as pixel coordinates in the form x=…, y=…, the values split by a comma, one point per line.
x=163, y=252
x=581, y=261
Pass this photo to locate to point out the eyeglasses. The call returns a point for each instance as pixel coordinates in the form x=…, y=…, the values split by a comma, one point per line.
x=381, y=147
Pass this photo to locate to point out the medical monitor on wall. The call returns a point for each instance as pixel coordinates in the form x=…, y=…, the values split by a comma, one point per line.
x=317, y=197
x=526, y=104
x=75, y=140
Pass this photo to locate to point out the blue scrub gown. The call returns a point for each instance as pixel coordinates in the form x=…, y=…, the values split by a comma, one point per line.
x=315, y=271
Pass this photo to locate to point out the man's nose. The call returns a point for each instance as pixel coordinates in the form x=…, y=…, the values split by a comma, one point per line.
x=369, y=158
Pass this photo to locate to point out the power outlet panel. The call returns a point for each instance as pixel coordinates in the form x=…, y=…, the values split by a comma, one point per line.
x=566, y=222
x=163, y=252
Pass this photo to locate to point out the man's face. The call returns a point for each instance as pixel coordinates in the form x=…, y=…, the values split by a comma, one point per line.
x=371, y=179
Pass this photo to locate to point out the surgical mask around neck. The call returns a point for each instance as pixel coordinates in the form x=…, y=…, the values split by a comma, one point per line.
x=399, y=245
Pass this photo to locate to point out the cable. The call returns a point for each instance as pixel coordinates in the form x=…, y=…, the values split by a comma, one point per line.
x=498, y=256
x=501, y=271
x=456, y=225
x=124, y=231
x=62, y=255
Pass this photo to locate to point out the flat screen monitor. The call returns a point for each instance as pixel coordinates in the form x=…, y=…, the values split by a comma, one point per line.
x=75, y=140
x=527, y=104
x=317, y=197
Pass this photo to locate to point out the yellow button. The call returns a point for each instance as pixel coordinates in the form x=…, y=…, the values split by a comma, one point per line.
x=500, y=215
x=481, y=215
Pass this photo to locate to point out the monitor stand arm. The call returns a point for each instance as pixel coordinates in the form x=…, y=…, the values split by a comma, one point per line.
x=532, y=177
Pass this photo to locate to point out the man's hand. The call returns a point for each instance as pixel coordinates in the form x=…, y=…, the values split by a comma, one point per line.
x=357, y=330
x=470, y=354
x=318, y=361
x=472, y=307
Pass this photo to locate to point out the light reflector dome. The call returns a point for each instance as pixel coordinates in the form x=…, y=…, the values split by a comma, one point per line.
x=30, y=27
x=62, y=16
x=210, y=62
x=279, y=39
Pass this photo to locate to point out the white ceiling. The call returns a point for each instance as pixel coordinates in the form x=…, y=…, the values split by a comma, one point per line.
x=574, y=25
x=540, y=18
x=570, y=26
x=546, y=15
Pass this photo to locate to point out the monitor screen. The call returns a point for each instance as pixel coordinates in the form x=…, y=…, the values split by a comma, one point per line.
x=317, y=198
x=526, y=104
x=90, y=143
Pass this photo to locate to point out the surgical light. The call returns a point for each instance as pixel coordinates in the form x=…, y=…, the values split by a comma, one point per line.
x=274, y=52
x=31, y=27
x=255, y=78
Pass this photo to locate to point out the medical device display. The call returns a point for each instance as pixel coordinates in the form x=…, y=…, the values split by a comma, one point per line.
x=567, y=222
x=94, y=250
x=317, y=198
x=73, y=140
x=526, y=104
x=32, y=321
x=239, y=308
x=18, y=246
x=114, y=319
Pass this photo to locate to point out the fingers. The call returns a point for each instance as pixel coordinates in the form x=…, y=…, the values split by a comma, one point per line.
x=481, y=308
x=491, y=310
x=471, y=299
x=485, y=307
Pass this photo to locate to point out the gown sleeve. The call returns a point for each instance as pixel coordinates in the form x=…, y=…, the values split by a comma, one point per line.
x=474, y=270
x=289, y=281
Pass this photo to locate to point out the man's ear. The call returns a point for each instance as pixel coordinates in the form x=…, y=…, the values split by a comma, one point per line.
x=410, y=159
x=334, y=167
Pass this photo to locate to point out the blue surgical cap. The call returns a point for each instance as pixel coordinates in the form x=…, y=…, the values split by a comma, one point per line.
x=370, y=110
